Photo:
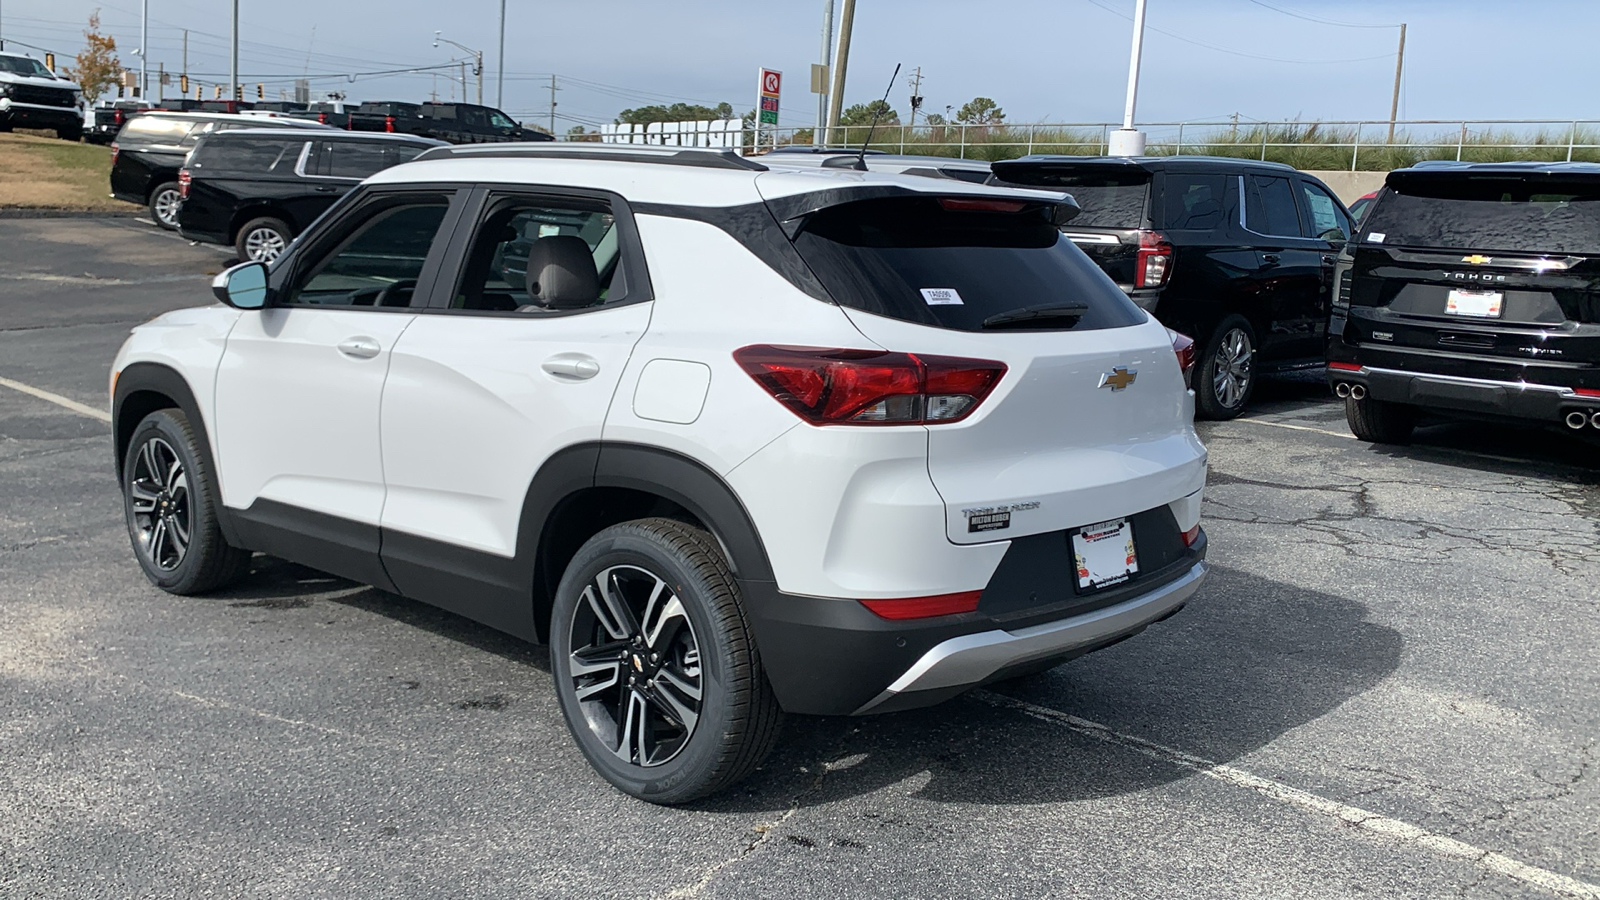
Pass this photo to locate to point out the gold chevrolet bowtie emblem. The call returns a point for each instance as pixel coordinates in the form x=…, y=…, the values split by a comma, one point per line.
x=1118, y=378
x=1477, y=259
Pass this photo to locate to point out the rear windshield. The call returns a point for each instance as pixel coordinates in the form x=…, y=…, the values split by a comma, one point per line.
x=1108, y=199
x=360, y=159
x=154, y=130
x=916, y=260
x=256, y=156
x=1511, y=215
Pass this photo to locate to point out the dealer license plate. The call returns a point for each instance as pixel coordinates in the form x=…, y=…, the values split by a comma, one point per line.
x=1478, y=304
x=1104, y=554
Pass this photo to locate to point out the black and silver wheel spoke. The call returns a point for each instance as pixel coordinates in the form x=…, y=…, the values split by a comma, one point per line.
x=1231, y=374
x=158, y=496
x=635, y=665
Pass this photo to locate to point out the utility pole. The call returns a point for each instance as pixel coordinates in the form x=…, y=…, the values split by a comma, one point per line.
x=552, y=104
x=841, y=59
x=161, y=82
x=1127, y=141
x=233, y=67
x=916, y=95
x=1233, y=133
x=820, y=136
x=186, y=51
x=500, y=67
x=1399, y=67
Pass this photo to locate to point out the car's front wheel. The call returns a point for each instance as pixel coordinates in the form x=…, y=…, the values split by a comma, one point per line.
x=165, y=202
x=655, y=667
x=262, y=240
x=170, y=502
x=1224, y=375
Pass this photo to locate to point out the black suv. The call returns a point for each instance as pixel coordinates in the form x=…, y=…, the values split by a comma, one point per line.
x=456, y=123
x=150, y=149
x=1238, y=254
x=1472, y=289
x=258, y=188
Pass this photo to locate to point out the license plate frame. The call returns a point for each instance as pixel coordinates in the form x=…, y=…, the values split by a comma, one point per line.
x=1475, y=304
x=1104, y=554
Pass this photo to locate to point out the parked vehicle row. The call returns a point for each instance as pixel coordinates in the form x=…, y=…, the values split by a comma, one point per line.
x=734, y=438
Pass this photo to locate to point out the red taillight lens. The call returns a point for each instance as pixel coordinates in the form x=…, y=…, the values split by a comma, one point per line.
x=118, y=118
x=1581, y=392
x=1153, y=266
x=1183, y=346
x=963, y=204
x=388, y=124
x=183, y=183
x=1344, y=367
x=925, y=607
x=323, y=118
x=1191, y=536
x=114, y=151
x=870, y=387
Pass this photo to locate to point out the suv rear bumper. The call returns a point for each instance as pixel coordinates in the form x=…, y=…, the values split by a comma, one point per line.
x=826, y=656
x=1479, y=396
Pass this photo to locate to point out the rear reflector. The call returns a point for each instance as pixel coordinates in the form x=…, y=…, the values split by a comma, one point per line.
x=1344, y=367
x=1586, y=392
x=1190, y=536
x=1183, y=347
x=925, y=607
x=870, y=387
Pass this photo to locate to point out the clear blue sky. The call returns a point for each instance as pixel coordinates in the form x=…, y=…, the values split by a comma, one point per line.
x=1042, y=60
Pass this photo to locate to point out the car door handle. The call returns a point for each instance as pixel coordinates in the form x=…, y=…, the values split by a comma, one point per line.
x=1270, y=259
x=1329, y=259
x=571, y=367
x=360, y=347
x=326, y=189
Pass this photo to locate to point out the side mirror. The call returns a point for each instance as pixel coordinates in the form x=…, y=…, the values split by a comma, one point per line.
x=242, y=287
x=1336, y=237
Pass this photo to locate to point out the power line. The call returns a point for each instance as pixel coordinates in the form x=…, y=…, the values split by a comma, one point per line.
x=1308, y=62
x=1310, y=18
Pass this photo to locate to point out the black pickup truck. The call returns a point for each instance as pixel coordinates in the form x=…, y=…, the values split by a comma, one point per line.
x=456, y=123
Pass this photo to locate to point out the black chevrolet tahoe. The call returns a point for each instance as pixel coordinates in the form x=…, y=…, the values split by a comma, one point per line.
x=1236, y=253
x=1472, y=290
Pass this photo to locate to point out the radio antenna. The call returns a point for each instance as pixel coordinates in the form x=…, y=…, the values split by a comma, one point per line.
x=861, y=158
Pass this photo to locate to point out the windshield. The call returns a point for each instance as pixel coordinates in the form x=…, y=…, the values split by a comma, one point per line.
x=1513, y=215
x=955, y=263
x=19, y=65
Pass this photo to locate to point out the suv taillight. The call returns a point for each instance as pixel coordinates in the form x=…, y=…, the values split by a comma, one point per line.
x=1183, y=346
x=183, y=183
x=322, y=117
x=1154, y=264
x=388, y=124
x=114, y=151
x=871, y=387
x=118, y=118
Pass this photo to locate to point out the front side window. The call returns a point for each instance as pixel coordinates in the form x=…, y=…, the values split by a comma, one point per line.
x=362, y=159
x=378, y=261
x=1270, y=207
x=1326, y=221
x=501, y=121
x=1193, y=201
x=536, y=255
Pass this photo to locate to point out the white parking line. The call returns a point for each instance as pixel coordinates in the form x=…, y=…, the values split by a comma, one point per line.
x=1337, y=434
x=1382, y=826
x=57, y=399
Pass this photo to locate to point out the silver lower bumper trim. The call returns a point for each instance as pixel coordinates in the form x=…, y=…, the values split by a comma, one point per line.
x=971, y=658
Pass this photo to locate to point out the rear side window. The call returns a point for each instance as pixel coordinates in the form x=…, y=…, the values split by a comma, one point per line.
x=933, y=262
x=1107, y=199
x=1270, y=207
x=360, y=159
x=1192, y=201
x=254, y=156
x=1515, y=215
x=153, y=131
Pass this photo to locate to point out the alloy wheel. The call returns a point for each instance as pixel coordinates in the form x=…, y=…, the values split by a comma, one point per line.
x=158, y=488
x=635, y=665
x=263, y=244
x=1231, y=373
x=166, y=207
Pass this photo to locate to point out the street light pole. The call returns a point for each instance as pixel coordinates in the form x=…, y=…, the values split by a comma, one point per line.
x=233, y=67
x=841, y=60
x=1399, y=68
x=144, y=47
x=500, y=67
x=476, y=55
x=1127, y=141
x=820, y=136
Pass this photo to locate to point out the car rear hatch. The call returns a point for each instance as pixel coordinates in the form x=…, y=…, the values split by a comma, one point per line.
x=1503, y=265
x=1090, y=420
x=1113, y=196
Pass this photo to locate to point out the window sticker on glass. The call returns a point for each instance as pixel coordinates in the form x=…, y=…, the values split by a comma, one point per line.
x=941, y=296
x=1376, y=237
x=549, y=230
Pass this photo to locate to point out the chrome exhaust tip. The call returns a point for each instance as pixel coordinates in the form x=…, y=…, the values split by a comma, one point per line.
x=1594, y=420
x=1576, y=420
x=1341, y=390
x=1358, y=392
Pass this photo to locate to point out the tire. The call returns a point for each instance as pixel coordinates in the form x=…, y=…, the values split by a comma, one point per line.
x=72, y=133
x=708, y=648
x=262, y=240
x=1224, y=375
x=164, y=203
x=168, y=493
x=1380, y=421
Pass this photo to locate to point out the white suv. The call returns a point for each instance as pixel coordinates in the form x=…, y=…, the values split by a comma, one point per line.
x=733, y=439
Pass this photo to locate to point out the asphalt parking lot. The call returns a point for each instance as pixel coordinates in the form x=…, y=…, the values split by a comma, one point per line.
x=1388, y=688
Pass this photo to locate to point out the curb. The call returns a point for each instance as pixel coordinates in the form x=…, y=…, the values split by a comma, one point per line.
x=24, y=213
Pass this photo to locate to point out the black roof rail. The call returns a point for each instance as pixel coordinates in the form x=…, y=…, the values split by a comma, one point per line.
x=700, y=157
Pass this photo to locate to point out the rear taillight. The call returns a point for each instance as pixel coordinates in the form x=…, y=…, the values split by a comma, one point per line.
x=871, y=387
x=1153, y=266
x=183, y=183
x=388, y=124
x=925, y=607
x=114, y=151
x=1183, y=346
x=119, y=117
x=323, y=118
x=1345, y=367
x=1581, y=392
x=1192, y=536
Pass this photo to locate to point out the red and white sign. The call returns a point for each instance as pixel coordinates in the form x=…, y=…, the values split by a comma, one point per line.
x=771, y=82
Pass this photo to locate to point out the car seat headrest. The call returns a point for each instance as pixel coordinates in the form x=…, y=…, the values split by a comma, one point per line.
x=561, y=273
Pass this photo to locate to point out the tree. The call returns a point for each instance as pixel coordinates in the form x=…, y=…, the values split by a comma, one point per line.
x=98, y=67
x=981, y=111
x=862, y=113
x=579, y=133
x=933, y=119
x=677, y=112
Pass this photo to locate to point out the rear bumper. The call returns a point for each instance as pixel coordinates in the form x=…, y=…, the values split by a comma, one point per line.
x=1475, y=396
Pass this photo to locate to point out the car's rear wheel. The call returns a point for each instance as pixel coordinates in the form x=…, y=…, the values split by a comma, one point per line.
x=262, y=240
x=1225, y=373
x=655, y=667
x=170, y=502
x=165, y=201
x=1380, y=421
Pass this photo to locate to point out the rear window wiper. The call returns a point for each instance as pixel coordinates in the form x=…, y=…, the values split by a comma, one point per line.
x=1035, y=314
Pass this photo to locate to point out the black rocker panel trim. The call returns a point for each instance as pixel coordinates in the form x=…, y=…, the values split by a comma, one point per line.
x=144, y=380
x=327, y=543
